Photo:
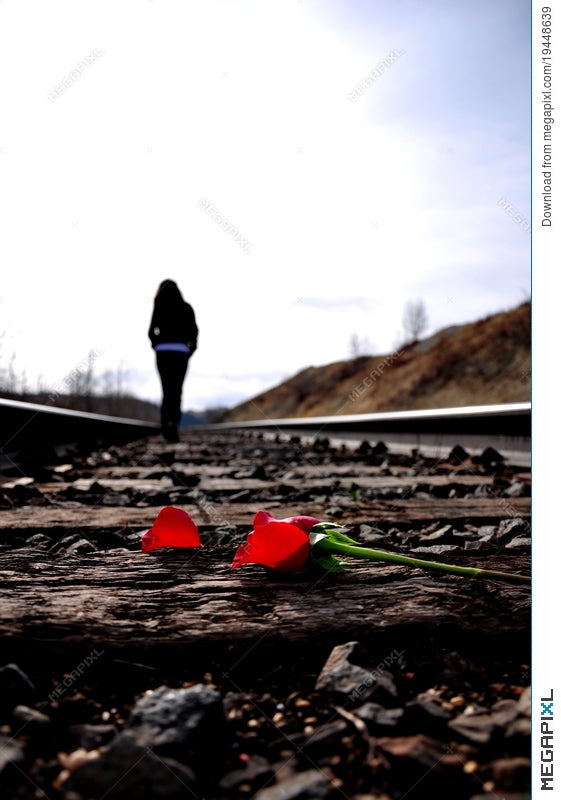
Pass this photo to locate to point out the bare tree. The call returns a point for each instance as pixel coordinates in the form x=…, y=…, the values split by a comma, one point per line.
x=2, y=370
x=88, y=383
x=415, y=320
x=23, y=384
x=360, y=346
x=81, y=382
x=12, y=375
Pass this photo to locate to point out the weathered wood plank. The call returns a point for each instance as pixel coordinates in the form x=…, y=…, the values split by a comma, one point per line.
x=210, y=483
x=177, y=598
x=409, y=510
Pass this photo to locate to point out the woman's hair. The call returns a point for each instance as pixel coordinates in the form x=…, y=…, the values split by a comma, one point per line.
x=168, y=293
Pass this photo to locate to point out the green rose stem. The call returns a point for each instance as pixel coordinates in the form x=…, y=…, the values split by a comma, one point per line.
x=329, y=546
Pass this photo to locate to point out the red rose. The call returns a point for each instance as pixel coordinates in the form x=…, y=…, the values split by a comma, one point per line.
x=173, y=528
x=283, y=544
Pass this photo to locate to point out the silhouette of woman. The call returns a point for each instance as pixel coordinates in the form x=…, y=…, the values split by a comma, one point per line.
x=173, y=333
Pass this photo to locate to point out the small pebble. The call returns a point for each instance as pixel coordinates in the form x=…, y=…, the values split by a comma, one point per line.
x=458, y=700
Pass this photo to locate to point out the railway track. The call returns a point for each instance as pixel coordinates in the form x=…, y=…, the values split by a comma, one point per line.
x=94, y=623
x=48, y=430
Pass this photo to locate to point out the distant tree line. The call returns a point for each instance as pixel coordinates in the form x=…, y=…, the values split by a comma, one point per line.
x=81, y=389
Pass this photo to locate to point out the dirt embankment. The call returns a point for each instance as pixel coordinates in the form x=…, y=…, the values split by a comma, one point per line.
x=479, y=363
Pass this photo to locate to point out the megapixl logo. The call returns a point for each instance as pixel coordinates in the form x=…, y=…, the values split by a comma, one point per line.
x=546, y=742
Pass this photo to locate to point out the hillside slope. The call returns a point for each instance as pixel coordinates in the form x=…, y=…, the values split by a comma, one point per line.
x=482, y=362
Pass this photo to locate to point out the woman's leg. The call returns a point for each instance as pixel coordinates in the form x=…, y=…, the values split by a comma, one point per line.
x=172, y=367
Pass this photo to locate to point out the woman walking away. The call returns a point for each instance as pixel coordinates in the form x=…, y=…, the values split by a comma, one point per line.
x=173, y=333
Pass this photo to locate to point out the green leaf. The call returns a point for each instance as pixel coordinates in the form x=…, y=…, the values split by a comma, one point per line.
x=323, y=526
x=316, y=536
x=330, y=531
x=328, y=562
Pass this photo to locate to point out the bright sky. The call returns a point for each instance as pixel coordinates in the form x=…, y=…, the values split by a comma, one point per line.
x=351, y=194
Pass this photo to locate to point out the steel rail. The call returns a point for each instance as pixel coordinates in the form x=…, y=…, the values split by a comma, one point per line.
x=505, y=427
x=23, y=424
x=507, y=418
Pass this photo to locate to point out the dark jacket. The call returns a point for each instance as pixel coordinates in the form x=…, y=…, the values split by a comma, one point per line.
x=179, y=326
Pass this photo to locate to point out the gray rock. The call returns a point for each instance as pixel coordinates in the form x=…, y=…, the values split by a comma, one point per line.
x=480, y=545
x=439, y=536
x=464, y=536
x=241, y=497
x=256, y=773
x=421, y=489
x=23, y=494
x=438, y=549
x=378, y=716
x=80, y=547
x=480, y=727
x=309, y=785
x=424, y=756
x=511, y=528
x=325, y=739
x=434, y=526
x=183, y=479
x=519, y=543
x=379, y=449
x=334, y=511
x=475, y=727
x=179, y=722
x=486, y=531
x=407, y=537
x=508, y=774
x=504, y=711
x=111, y=498
x=449, y=490
x=458, y=454
x=90, y=737
x=10, y=752
x=127, y=770
x=64, y=543
x=373, y=535
x=375, y=540
x=38, y=540
x=15, y=688
x=364, y=447
x=520, y=727
x=340, y=675
x=516, y=489
x=27, y=720
x=13, y=678
x=424, y=713
x=491, y=456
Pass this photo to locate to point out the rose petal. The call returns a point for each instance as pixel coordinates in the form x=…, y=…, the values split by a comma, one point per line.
x=173, y=527
x=262, y=518
x=302, y=522
x=276, y=544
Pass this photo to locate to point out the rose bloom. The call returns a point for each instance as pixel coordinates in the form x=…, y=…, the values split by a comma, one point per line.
x=281, y=544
